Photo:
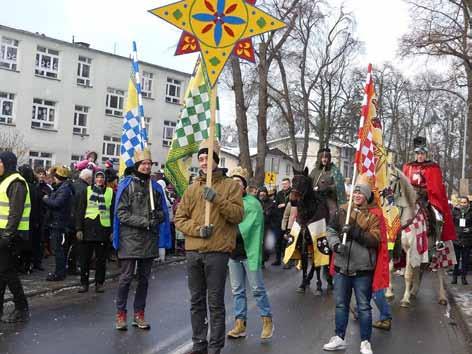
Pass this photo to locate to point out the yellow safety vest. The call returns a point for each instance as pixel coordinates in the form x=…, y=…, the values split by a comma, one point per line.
x=5, y=203
x=92, y=207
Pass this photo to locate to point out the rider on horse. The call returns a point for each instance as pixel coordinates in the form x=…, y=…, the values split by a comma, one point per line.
x=425, y=175
x=328, y=181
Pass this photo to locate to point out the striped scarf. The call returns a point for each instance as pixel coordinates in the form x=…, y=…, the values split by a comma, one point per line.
x=98, y=197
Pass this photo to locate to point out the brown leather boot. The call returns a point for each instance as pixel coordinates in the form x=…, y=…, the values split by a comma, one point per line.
x=239, y=329
x=267, y=328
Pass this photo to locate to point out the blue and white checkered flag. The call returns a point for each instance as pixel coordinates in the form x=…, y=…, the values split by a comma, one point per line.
x=134, y=136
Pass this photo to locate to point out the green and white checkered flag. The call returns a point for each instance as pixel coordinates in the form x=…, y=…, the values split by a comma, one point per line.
x=191, y=129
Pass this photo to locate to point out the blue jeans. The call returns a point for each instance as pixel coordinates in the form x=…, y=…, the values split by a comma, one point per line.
x=57, y=237
x=238, y=273
x=362, y=286
x=382, y=304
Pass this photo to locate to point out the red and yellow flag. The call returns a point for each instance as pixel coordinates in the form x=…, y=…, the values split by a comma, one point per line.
x=372, y=158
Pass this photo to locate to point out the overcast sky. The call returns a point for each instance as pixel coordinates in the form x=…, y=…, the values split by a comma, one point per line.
x=113, y=24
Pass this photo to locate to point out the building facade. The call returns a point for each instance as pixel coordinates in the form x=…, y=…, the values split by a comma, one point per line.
x=279, y=164
x=67, y=98
x=342, y=154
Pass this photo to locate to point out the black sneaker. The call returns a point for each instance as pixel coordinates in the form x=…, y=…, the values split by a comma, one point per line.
x=83, y=289
x=55, y=277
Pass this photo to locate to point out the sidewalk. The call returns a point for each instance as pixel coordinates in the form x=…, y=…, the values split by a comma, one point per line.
x=461, y=301
x=35, y=283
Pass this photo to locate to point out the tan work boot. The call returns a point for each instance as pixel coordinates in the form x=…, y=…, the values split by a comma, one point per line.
x=385, y=325
x=139, y=321
x=267, y=328
x=120, y=323
x=239, y=329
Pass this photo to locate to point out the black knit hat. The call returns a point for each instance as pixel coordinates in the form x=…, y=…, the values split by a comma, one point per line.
x=9, y=161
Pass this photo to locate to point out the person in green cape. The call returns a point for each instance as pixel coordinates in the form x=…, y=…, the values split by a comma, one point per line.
x=246, y=263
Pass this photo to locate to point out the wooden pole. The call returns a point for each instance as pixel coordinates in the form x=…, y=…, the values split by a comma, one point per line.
x=211, y=137
x=349, y=207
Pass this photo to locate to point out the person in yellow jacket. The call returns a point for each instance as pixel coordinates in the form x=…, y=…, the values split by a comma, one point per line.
x=208, y=248
x=94, y=220
x=15, y=207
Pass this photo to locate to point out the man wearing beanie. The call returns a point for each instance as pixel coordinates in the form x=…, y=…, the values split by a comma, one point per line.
x=140, y=227
x=354, y=263
x=60, y=207
x=93, y=220
x=15, y=207
x=208, y=248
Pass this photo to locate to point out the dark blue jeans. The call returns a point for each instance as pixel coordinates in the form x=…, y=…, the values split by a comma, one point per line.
x=462, y=255
x=362, y=286
x=383, y=305
x=57, y=237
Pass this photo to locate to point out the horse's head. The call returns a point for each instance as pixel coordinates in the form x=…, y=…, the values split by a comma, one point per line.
x=301, y=185
x=404, y=194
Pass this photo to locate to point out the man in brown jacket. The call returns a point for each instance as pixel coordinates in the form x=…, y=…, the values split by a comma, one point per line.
x=208, y=248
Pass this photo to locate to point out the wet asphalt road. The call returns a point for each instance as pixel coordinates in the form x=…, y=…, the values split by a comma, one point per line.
x=72, y=323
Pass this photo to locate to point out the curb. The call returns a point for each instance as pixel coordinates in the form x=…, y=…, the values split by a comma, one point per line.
x=459, y=315
x=110, y=276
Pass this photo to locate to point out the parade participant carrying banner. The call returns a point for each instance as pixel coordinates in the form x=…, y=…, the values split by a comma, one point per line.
x=134, y=136
x=372, y=164
x=217, y=29
x=192, y=128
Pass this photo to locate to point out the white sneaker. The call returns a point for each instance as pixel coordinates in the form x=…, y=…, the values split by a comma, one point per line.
x=335, y=343
x=365, y=347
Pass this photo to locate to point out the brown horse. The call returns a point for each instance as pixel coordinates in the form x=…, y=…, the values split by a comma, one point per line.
x=311, y=207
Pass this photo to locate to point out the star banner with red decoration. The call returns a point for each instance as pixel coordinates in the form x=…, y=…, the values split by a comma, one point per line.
x=218, y=29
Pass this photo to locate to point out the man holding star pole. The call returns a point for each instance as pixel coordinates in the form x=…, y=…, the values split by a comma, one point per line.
x=217, y=29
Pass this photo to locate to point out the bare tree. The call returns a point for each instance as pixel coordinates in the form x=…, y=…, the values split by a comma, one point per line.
x=12, y=140
x=441, y=29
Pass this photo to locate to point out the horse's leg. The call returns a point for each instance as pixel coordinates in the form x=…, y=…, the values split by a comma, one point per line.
x=405, y=302
x=389, y=292
x=304, y=259
x=318, y=278
x=442, y=291
x=416, y=282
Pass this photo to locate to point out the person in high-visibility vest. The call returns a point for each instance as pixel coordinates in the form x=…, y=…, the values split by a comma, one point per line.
x=93, y=221
x=15, y=207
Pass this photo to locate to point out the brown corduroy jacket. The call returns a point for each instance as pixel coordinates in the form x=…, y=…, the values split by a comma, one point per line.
x=227, y=212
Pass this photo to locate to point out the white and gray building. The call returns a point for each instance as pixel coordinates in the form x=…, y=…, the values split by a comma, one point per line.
x=67, y=98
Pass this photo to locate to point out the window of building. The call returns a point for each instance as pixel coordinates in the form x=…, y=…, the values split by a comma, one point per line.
x=168, y=133
x=193, y=171
x=147, y=126
x=111, y=148
x=44, y=114
x=80, y=120
x=8, y=53
x=75, y=158
x=146, y=84
x=272, y=164
x=114, y=102
x=47, y=62
x=83, y=71
x=288, y=170
x=40, y=159
x=173, y=90
x=6, y=107
x=222, y=162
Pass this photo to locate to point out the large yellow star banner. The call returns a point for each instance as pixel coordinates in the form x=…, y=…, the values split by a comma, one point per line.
x=218, y=26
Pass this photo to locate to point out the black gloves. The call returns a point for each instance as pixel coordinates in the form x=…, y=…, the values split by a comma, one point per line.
x=339, y=248
x=354, y=232
x=157, y=217
x=209, y=194
x=206, y=230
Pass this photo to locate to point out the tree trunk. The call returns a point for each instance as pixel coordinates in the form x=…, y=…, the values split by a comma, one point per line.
x=259, y=174
x=241, y=117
